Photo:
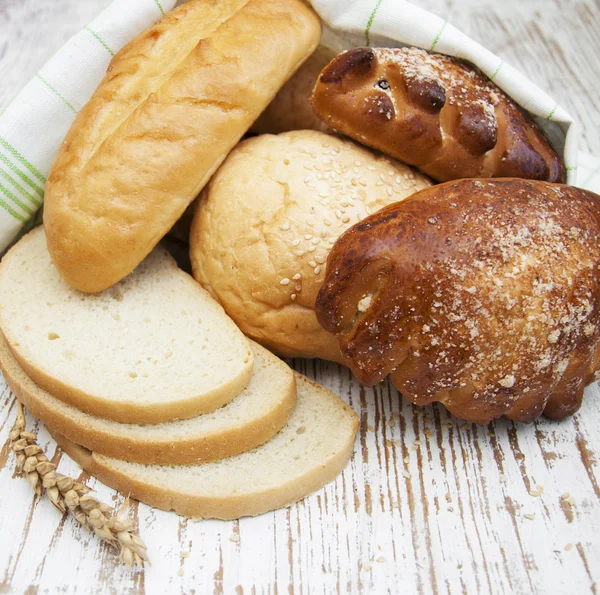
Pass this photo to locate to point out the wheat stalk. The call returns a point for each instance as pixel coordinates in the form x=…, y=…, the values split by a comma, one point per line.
x=113, y=526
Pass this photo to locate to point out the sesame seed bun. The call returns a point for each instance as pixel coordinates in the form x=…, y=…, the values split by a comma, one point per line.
x=265, y=225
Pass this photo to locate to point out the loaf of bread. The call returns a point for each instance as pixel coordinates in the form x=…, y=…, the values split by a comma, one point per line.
x=310, y=451
x=437, y=113
x=248, y=420
x=267, y=220
x=481, y=294
x=290, y=108
x=173, y=103
x=153, y=348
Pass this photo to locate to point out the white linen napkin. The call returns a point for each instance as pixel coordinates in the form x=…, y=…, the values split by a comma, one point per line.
x=34, y=124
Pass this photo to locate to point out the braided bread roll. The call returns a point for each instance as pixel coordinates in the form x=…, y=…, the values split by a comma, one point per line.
x=481, y=294
x=434, y=112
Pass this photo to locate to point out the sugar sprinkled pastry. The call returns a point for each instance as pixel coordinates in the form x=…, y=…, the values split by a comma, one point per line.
x=435, y=112
x=481, y=294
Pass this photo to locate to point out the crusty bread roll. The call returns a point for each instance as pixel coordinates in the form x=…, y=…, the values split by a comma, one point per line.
x=267, y=220
x=481, y=294
x=290, y=108
x=173, y=103
x=434, y=112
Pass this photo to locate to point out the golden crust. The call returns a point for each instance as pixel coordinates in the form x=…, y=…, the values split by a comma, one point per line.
x=481, y=294
x=434, y=112
x=173, y=103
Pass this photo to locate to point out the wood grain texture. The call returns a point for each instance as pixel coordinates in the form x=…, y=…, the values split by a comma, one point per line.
x=428, y=504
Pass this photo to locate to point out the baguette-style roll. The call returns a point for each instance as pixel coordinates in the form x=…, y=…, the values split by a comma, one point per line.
x=173, y=103
x=481, y=294
x=435, y=112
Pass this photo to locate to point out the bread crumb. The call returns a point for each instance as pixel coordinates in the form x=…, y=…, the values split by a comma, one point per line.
x=568, y=547
x=406, y=474
x=502, y=478
x=180, y=572
x=381, y=559
x=530, y=517
x=565, y=496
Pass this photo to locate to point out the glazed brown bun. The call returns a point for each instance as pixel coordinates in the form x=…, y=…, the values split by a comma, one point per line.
x=267, y=220
x=484, y=295
x=434, y=112
x=290, y=108
x=173, y=103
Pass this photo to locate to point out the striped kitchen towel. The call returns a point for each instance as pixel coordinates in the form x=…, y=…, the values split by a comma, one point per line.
x=35, y=122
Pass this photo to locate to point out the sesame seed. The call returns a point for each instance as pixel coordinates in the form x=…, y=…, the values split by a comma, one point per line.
x=295, y=242
x=312, y=263
x=312, y=249
x=284, y=281
x=285, y=227
x=293, y=297
x=286, y=161
x=297, y=276
x=326, y=222
x=338, y=214
x=323, y=194
x=307, y=236
x=529, y=517
x=406, y=474
x=317, y=270
x=320, y=259
x=389, y=191
x=568, y=547
x=297, y=287
x=310, y=221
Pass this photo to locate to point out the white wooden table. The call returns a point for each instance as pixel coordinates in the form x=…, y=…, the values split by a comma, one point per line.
x=429, y=504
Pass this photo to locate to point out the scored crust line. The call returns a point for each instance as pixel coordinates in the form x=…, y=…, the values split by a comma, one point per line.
x=370, y=22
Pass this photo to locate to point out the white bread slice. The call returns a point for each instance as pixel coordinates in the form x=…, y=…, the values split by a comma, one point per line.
x=153, y=348
x=311, y=449
x=250, y=419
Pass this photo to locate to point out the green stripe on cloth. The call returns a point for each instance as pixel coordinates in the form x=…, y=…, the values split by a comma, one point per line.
x=496, y=71
x=4, y=190
x=370, y=22
x=10, y=149
x=56, y=92
x=30, y=197
x=18, y=172
x=100, y=40
x=157, y=2
x=437, y=37
x=552, y=112
x=12, y=212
